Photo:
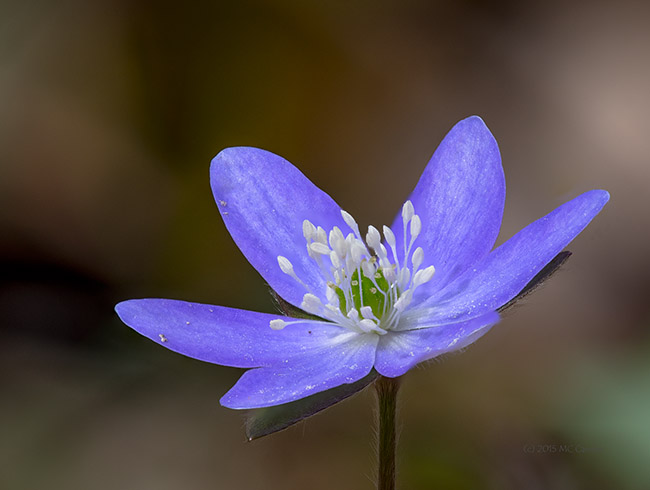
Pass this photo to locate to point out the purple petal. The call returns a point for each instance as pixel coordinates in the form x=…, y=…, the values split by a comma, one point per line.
x=226, y=336
x=264, y=200
x=459, y=199
x=400, y=351
x=502, y=274
x=343, y=360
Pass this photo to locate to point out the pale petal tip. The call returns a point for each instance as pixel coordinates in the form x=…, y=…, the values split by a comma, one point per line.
x=123, y=308
x=604, y=195
x=596, y=198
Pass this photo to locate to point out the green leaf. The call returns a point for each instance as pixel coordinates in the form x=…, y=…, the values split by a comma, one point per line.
x=264, y=421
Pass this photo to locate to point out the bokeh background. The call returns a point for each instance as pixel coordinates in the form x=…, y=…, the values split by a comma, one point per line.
x=110, y=112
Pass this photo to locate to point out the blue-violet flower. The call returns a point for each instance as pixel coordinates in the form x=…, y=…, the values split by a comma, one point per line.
x=430, y=286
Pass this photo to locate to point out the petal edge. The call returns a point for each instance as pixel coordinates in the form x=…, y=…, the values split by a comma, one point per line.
x=501, y=275
x=263, y=200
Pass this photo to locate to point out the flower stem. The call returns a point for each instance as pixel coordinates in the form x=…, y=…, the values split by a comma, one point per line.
x=386, y=389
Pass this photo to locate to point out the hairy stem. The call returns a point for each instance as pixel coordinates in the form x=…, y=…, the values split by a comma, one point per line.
x=386, y=389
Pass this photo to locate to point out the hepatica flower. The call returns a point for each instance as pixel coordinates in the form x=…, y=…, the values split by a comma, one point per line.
x=387, y=298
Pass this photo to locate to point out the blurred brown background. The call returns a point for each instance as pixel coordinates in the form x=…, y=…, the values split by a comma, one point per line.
x=110, y=112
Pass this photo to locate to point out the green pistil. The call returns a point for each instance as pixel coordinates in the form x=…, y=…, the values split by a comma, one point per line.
x=371, y=295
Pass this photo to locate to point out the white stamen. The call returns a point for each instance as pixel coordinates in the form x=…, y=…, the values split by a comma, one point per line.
x=389, y=274
x=320, y=248
x=404, y=277
x=310, y=252
x=333, y=309
x=311, y=303
x=337, y=241
x=367, y=325
x=416, y=227
x=347, y=217
x=353, y=314
x=351, y=266
x=418, y=257
x=373, y=238
x=407, y=211
x=403, y=301
x=277, y=324
x=358, y=249
x=368, y=269
x=390, y=236
x=308, y=229
x=321, y=236
x=332, y=297
x=382, y=253
x=285, y=265
x=366, y=312
x=423, y=276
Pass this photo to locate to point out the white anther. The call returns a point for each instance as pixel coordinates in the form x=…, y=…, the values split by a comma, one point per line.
x=320, y=248
x=285, y=265
x=423, y=276
x=367, y=325
x=407, y=211
x=389, y=274
x=404, y=276
x=337, y=241
x=308, y=229
x=418, y=257
x=337, y=277
x=310, y=252
x=311, y=303
x=332, y=297
x=353, y=314
x=321, y=236
x=350, y=264
x=403, y=301
x=390, y=236
x=357, y=250
x=366, y=312
x=368, y=269
x=347, y=217
x=333, y=309
x=416, y=227
x=277, y=324
x=381, y=251
x=373, y=238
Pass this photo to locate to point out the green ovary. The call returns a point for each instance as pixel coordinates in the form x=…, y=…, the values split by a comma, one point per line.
x=372, y=296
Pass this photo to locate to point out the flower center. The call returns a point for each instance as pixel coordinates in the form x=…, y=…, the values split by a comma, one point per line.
x=367, y=290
